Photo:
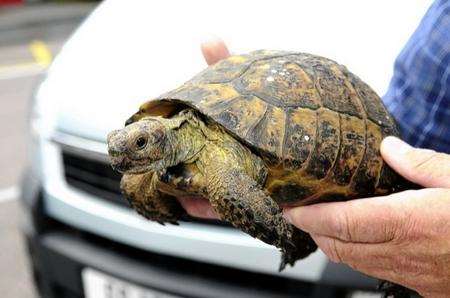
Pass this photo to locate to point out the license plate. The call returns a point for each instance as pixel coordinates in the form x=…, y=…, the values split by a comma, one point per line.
x=100, y=285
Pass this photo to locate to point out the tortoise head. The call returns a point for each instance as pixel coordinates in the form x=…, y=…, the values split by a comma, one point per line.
x=141, y=146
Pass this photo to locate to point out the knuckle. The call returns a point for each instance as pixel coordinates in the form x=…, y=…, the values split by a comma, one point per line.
x=333, y=251
x=429, y=167
x=342, y=226
x=397, y=226
x=413, y=221
x=424, y=160
x=409, y=229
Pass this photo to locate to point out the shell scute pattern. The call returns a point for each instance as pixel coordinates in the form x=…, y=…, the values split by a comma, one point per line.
x=281, y=83
x=300, y=137
x=325, y=151
x=352, y=148
x=315, y=124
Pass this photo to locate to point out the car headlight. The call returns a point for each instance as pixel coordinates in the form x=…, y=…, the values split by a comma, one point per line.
x=41, y=123
x=42, y=114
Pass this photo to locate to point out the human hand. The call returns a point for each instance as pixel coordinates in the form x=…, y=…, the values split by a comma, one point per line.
x=402, y=237
x=213, y=51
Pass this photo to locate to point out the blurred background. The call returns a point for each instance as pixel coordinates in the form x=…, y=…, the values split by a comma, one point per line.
x=31, y=33
x=65, y=231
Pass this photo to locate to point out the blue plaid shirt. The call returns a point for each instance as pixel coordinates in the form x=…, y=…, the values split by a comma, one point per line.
x=419, y=92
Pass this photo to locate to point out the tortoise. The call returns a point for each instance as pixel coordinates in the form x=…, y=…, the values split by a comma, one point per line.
x=255, y=133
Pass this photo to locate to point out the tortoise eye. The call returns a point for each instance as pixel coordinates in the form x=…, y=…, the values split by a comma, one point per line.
x=141, y=142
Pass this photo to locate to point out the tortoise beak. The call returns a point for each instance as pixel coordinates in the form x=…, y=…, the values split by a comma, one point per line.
x=116, y=149
x=116, y=142
x=118, y=164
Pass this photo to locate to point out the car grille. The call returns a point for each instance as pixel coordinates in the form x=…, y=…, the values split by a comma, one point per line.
x=99, y=179
x=94, y=177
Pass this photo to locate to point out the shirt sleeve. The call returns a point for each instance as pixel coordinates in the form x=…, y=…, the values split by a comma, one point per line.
x=419, y=92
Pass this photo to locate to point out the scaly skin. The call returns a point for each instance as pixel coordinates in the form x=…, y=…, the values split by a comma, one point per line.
x=309, y=114
x=191, y=158
x=235, y=178
x=141, y=192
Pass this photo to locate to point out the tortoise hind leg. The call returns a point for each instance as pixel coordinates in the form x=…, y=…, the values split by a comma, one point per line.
x=391, y=290
x=238, y=199
x=141, y=192
x=304, y=246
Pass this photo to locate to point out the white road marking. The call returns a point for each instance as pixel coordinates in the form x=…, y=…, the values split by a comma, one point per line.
x=9, y=193
x=20, y=70
x=42, y=59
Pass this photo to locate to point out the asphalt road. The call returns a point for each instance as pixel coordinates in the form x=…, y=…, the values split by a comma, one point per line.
x=24, y=34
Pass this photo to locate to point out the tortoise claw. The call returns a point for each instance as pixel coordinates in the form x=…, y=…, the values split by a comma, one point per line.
x=287, y=258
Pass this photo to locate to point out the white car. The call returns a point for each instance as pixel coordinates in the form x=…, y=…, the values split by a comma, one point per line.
x=84, y=240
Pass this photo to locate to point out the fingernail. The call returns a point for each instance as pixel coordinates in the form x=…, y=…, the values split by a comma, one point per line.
x=394, y=144
x=287, y=215
x=209, y=38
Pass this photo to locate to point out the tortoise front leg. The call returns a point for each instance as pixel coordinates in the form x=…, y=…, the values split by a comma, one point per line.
x=238, y=199
x=141, y=192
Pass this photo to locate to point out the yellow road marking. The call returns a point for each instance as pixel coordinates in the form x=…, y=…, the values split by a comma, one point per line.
x=42, y=58
x=41, y=53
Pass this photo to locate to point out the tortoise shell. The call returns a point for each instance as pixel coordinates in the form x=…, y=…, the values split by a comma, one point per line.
x=317, y=126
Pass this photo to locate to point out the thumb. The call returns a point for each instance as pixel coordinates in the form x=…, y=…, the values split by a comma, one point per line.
x=214, y=50
x=422, y=166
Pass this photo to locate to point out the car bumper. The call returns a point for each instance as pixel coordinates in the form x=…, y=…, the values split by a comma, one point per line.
x=59, y=258
x=68, y=231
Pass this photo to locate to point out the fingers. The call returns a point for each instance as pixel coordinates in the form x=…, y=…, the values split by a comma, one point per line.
x=384, y=261
x=422, y=166
x=214, y=50
x=340, y=251
x=198, y=207
x=372, y=259
x=373, y=220
x=401, y=238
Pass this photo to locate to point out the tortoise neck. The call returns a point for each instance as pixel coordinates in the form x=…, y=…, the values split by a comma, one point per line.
x=188, y=141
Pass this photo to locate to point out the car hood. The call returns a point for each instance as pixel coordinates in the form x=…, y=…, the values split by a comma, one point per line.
x=108, y=68
x=125, y=54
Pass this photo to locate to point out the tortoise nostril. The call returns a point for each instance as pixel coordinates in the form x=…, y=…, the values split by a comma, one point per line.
x=111, y=136
x=116, y=144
